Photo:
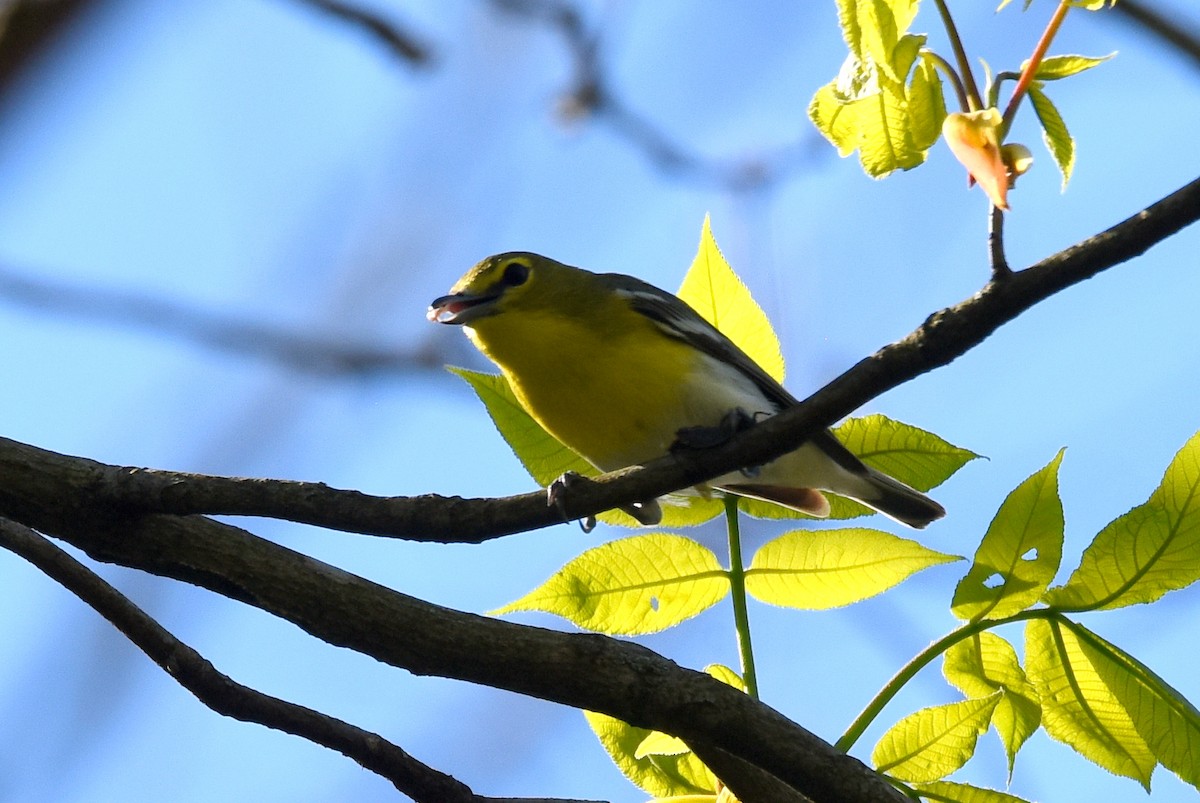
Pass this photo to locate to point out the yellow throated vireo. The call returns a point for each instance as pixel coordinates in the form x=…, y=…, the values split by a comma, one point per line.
x=621, y=371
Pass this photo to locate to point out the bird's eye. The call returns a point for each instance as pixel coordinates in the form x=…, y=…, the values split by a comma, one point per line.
x=515, y=273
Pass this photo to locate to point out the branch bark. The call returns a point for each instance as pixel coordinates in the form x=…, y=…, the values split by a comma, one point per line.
x=584, y=671
x=133, y=517
x=944, y=336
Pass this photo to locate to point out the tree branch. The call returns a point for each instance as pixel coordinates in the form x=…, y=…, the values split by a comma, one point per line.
x=299, y=351
x=34, y=475
x=400, y=42
x=1169, y=30
x=584, y=671
x=224, y=695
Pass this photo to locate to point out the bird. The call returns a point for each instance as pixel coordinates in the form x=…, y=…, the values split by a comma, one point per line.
x=622, y=373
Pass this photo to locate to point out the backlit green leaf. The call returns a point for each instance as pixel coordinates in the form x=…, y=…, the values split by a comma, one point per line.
x=822, y=569
x=546, y=459
x=934, y=742
x=1078, y=707
x=1019, y=554
x=1053, y=68
x=1168, y=723
x=1058, y=139
x=712, y=289
x=911, y=455
x=984, y=664
x=636, y=585
x=658, y=775
x=1152, y=549
x=890, y=123
x=947, y=792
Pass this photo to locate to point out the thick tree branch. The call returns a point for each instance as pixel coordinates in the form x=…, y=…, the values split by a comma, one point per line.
x=224, y=695
x=584, y=671
x=35, y=475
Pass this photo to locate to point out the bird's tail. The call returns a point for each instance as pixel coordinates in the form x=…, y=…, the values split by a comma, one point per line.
x=897, y=500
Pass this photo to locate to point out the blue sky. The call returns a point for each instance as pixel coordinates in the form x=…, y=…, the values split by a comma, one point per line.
x=250, y=159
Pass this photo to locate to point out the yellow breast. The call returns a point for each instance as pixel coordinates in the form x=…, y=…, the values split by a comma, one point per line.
x=615, y=394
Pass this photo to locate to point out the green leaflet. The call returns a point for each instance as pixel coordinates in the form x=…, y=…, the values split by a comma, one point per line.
x=1078, y=707
x=815, y=570
x=656, y=774
x=1054, y=68
x=631, y=586
x=947, y=792
x=1164, y=719
x=1152, y=549
x=934, y=742
x=910, y=454
x=1058, y=139
x=1019, y=554
x=713, y=290
x=984, y=664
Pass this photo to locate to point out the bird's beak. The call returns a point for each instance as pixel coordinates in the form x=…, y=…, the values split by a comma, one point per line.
x=459, y=308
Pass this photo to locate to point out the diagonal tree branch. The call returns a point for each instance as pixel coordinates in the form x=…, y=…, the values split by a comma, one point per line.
x=399, y=41
x=229, y=698
x=1186, y=40
x=33, y=475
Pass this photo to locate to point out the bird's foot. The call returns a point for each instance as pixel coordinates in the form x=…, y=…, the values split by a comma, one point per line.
x=647, y=513
x=733, y=422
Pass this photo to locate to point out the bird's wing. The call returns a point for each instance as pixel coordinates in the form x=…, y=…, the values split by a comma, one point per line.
x=677, y=319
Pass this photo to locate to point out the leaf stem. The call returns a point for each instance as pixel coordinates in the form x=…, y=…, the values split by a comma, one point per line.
x=948, y=69
x=923, y=659
x=1031, y=66
x=974, y=102
x=737, y=587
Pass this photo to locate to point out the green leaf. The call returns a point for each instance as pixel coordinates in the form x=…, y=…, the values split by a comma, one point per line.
x=713, y=290
x=868, y=108
x=911, y=455
x=984, y=664
x=934, y=742
x=546, y=459
x=947, y=792
x=815, y=570
x=658, y=775
x=1168, y=723
x=1058, y=139
x=1152, y=549
x=1054, y=68
x=1019, y=554
x=1078, y=708
x=632, y=586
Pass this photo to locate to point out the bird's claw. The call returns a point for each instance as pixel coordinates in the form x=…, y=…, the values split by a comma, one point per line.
x=647, y=513
x=735, y=421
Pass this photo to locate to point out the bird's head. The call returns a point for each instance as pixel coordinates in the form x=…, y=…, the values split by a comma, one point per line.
x=500, y=283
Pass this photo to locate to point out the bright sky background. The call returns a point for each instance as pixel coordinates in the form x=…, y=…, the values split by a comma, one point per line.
x=252, y=159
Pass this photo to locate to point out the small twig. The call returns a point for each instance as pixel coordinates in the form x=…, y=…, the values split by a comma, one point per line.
x=228, y=697
x=590, y=96
x=1033, y=65
x=298, y=351
x=397, y=40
